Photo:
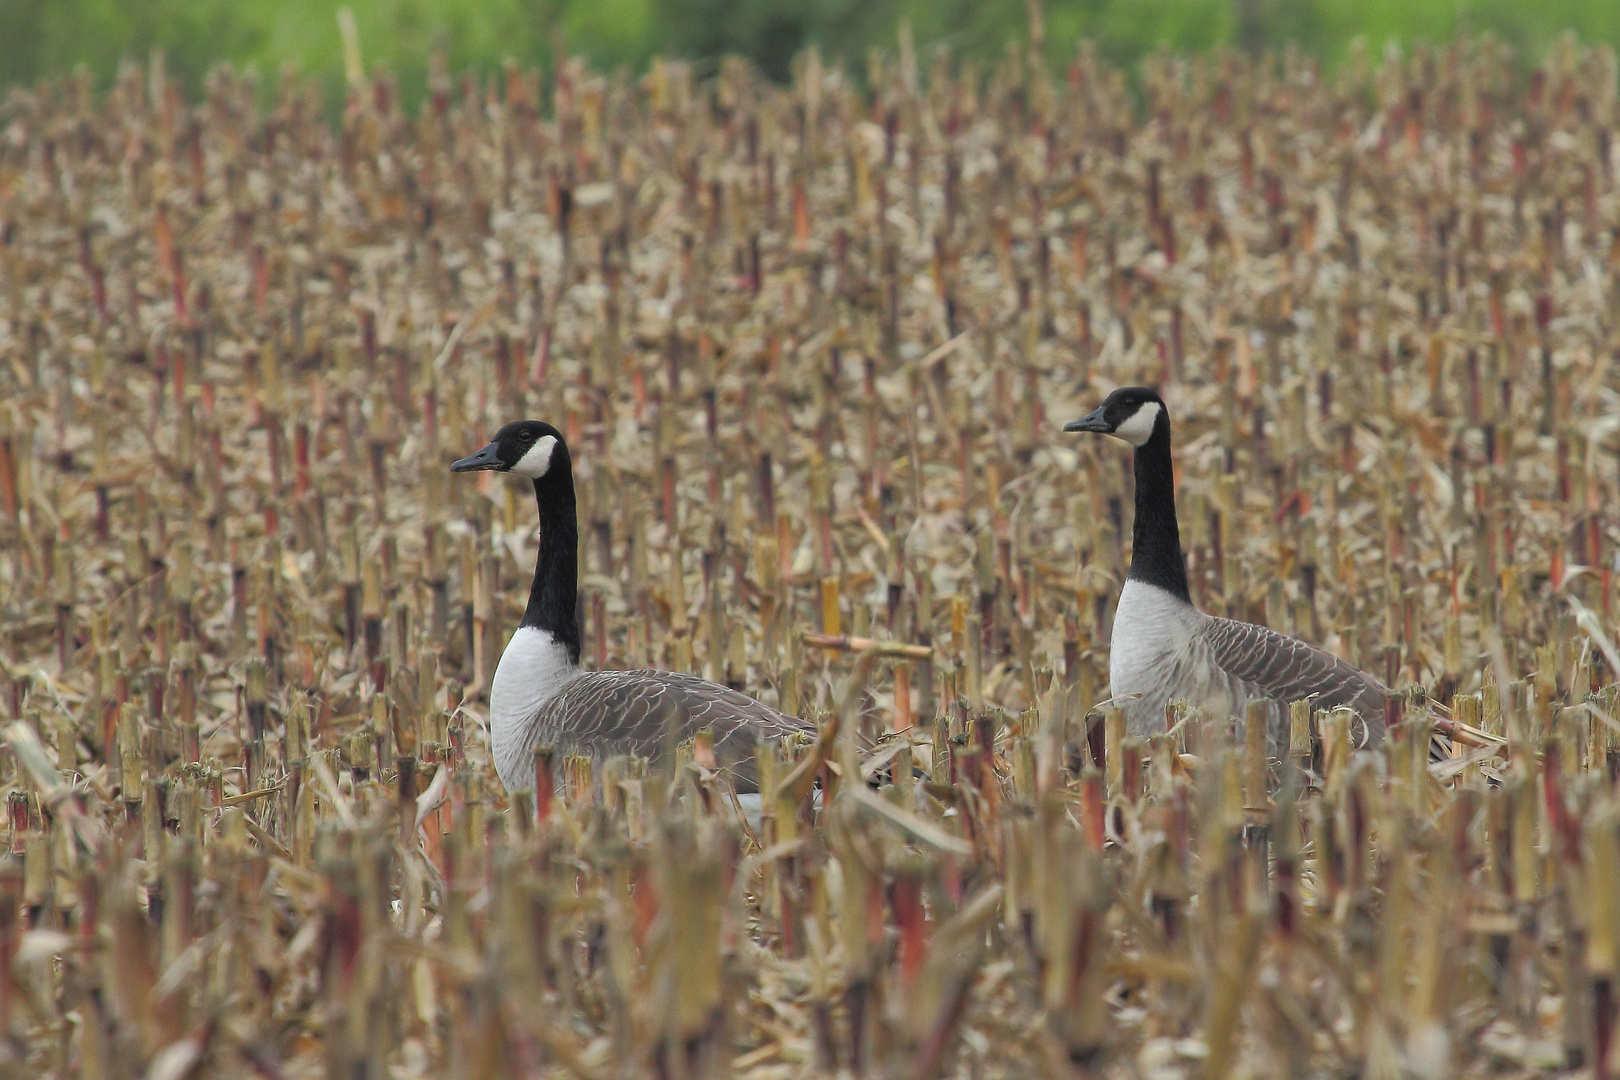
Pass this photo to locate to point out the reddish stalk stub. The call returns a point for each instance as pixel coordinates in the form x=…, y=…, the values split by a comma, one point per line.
x=544, y=782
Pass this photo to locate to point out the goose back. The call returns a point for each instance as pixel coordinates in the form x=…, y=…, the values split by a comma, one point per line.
x=1165, y=650
x=1274, y=667
x=606, y=713
x=1283, y=668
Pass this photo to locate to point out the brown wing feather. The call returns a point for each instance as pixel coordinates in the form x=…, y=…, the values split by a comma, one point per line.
x=1285, y=669
x=640, y=712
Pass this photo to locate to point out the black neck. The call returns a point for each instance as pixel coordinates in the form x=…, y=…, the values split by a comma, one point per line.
x=554, y=596
x=1156, y=557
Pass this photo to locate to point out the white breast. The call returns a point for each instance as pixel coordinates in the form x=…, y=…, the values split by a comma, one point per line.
x=534, y=667
x=1154, y=656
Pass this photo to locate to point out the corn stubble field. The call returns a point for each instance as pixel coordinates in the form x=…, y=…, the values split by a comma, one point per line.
x=811, y=347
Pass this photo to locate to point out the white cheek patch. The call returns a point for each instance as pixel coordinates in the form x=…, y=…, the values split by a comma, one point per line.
x=1139, y=428
x=535, y=463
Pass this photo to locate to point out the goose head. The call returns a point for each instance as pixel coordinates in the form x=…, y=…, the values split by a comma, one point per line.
x=1131, y=413
x=530, y=448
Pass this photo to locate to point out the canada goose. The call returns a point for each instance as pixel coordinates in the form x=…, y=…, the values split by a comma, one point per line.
x=1163, y=648
x=540, y=695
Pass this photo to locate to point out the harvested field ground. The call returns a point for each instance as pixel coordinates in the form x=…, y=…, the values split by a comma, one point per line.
x=812, y=348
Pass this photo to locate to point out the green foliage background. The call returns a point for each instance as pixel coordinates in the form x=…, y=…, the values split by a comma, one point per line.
x=42, y=37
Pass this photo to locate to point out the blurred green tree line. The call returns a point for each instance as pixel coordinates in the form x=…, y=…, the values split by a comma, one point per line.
x=39, y=38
